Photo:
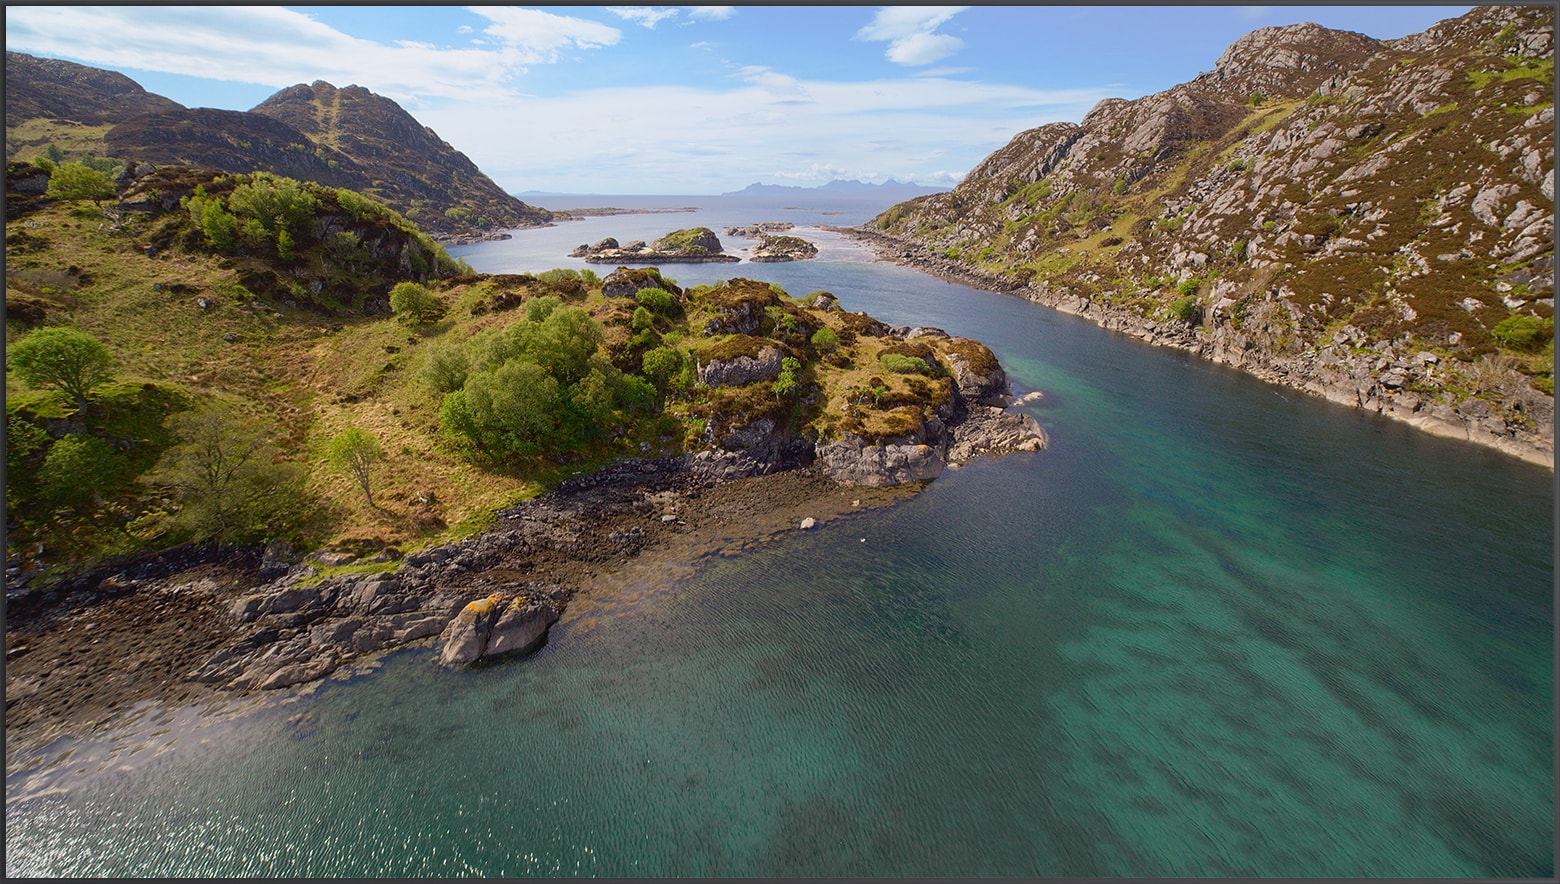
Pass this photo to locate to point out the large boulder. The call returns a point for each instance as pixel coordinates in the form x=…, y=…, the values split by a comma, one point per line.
x=498, y=624
x=851, y=461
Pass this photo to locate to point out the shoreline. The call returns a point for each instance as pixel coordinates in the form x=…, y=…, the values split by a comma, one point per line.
x=908, y=253
x=100, y=659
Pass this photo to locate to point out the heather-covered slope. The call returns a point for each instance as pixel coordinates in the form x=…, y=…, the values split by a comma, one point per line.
x=1372, y=221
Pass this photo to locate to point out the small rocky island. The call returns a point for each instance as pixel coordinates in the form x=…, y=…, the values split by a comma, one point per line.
x=693, y=245
x=755, y=231
x=774, y=249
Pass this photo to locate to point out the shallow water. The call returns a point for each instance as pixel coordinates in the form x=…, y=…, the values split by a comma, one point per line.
x=1218, y=628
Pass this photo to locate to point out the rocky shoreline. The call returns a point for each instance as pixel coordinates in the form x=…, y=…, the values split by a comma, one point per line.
x=206, y=623
x=1356, y=386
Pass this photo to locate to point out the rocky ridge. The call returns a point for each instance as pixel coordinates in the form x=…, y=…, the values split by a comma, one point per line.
x=1371, y=221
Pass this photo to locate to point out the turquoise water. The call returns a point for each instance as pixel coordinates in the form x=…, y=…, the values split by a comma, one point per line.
x=1218, y=628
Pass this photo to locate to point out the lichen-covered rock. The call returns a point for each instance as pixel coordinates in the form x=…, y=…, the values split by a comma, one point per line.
x=976, y=371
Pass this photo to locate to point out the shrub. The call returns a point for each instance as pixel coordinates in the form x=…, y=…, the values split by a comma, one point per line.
x=659, y=301
x=641, y=319
x=899, y=363
x=538, y=309
x=1522, y=331
x=78, y=469
x=61, y=357
x=412, y=301
x=446, y=366
x=1187, y=287
x=1185, y=309
x=662, y=365
x=825, y=341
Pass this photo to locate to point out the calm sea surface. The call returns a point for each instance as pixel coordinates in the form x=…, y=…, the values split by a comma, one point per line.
x=1218, y=628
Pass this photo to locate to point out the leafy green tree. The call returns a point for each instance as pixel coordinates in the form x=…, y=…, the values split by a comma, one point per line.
x=825, y=341
x=78, y=469
x=62, y=357
x=355, y=452
x=78, y=181
x=413, y=302
x=659, y=301
x=228, y=477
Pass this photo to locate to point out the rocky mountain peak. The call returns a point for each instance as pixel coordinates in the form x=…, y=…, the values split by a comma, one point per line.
x=1288, y=61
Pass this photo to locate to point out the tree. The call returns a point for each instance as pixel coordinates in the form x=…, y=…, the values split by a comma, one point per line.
x=412, y=301
x=354, y=452
x=78, y=181
x=228, y=477
x=62, y=357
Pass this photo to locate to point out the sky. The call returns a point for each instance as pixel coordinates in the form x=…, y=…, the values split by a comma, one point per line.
x=688, y=99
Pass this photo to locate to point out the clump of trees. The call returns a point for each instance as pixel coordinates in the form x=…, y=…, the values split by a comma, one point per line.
x=536, y=385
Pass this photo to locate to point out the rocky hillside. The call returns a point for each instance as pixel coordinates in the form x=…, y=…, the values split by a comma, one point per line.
x=56, y=89
x=1369, y=220
x=424, y=172
x=349, y=138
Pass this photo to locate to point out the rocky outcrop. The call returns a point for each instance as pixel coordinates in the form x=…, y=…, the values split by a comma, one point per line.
x=695, y=245
x=774, y=249
x=739, y=370
x=626, y=282
x=1347, y=216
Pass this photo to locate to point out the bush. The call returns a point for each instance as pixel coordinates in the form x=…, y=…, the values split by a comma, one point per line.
x=1185, y=309
x=78, y=469
x=659, y=301
x=1522, y=331
x=61, y=357
x=1187, y=287
x=825, y=341
x=411, y=301
x=899, y=363
x=538, y=309
x=446, y=366
x=78, y=181
x=662, y=365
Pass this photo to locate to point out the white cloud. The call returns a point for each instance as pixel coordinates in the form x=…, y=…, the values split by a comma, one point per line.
x=277, y=47
x=539, y=36
x=909, y=31
x=650, y=16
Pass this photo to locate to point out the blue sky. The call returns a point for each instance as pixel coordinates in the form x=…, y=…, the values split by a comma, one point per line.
x=688, y=100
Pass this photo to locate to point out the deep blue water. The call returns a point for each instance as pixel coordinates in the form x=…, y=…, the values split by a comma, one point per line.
x=1217, y=628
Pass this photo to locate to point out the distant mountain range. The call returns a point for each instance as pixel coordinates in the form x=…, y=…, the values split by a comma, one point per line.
x=347, y=137
x=897, y=189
